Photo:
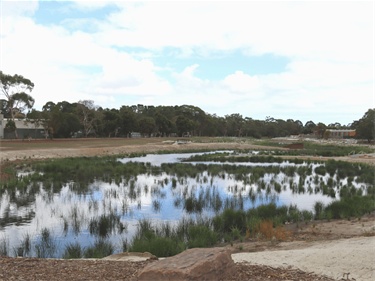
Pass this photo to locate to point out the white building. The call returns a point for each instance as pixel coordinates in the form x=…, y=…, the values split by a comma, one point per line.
x=24, y=129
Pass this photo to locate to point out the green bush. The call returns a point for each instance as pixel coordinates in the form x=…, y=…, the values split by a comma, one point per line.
x=101, y=248
x=73, y=251
x=201, y=236
x=158, y=246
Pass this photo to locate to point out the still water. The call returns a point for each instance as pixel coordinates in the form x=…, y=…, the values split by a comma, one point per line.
x=161, y=197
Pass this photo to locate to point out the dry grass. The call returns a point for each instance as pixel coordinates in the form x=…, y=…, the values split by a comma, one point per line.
x=77, y=143
x=266, y=231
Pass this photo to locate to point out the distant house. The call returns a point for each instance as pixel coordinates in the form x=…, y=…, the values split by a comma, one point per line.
x=339, y=134
x=24, y=129
x=135, y=135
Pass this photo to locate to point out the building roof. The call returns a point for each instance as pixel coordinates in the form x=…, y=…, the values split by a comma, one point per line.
x=335, y=130
x=21, y=124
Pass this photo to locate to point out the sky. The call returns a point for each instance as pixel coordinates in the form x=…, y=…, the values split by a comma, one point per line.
x=288, y=60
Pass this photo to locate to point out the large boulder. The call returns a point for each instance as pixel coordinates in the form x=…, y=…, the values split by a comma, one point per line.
x=192, y=264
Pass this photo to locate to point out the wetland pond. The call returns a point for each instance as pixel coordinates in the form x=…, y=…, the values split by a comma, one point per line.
x=81, y=200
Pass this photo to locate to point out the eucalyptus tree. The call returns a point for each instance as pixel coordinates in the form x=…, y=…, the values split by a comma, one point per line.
x=111, y=122
x=235, y=124
x=366, y=125
x=184, y=125
x=87, y=113
x=309, y=127
x=128, y=120
x=14, y=89
x=34, y=117
x=147, y=125
x=163, y=124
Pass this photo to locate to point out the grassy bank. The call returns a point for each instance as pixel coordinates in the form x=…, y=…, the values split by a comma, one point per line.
x=327, y=150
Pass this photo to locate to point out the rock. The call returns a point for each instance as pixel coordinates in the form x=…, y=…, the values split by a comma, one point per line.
x=192, y=264
x=131, y=256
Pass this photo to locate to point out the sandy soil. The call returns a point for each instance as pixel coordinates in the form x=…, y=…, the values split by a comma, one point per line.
x=330, y=248
x=334, y=259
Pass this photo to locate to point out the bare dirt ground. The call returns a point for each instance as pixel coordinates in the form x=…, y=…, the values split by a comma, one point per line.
x=43, y=149
x=351, y=243
x=61, y=149
x=330, y=248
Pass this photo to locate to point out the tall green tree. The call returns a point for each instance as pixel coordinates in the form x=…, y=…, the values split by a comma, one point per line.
x=14, y=89
x=111, y=122
x=10, y=126
x=87, y=113
x=34, y=117
x=53, y=119
x=128, y=121
x=366, y=126
x=321, y=128
x=309, y=127
x=147, y=125
x=163, y=124
x=184, y=125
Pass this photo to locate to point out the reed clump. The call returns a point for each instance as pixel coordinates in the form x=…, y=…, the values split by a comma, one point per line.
x=265, y=230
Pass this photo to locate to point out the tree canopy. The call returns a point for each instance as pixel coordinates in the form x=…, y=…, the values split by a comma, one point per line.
x=14, y=89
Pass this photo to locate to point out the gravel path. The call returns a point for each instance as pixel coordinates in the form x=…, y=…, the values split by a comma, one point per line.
x=331, y=258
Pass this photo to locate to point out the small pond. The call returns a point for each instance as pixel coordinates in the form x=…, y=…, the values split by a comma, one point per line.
x=167, y=190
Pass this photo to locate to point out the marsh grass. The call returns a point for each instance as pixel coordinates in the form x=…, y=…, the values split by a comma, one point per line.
x=236, y=233
x=24, y=248
x=156, y=205
x=105, y=225
x=100, y=249
x=4, y=246
x=201, y=237
x=73, y=251
x=319, y=210
x=46, y=245
x=230, y=215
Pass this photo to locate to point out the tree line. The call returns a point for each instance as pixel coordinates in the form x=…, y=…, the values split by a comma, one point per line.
x=64, y=119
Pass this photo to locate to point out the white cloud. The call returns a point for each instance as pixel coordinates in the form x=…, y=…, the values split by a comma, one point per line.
x=330, y=30
x=241, y=83
x=15, y=8
x=329, y=45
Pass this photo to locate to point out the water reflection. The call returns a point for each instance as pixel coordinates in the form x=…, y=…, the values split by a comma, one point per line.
x=166, y=190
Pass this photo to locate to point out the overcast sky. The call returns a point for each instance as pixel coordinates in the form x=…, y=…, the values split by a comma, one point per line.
x=289, y=60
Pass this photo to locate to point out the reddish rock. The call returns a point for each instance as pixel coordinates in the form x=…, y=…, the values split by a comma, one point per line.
x=294, y=146
x=192, y=264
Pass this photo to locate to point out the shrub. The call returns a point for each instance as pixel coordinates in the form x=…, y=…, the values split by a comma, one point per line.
x=158, y=246
x=253, y=226
x=73, y=251
x=236, y=233
x=319, y=208
x=101, y=248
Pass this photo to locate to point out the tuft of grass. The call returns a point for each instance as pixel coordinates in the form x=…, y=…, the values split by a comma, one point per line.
x=236, y=233
x=100, y=249
x=46, y=245
x=252, y=226
x=201, y=237
x=4, y=246
x=319, y=209
x=24, y=248
x=73, y=251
